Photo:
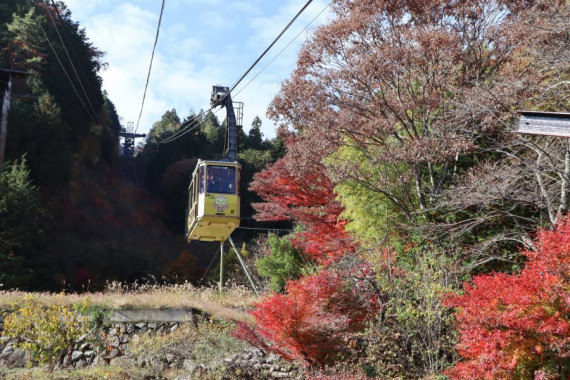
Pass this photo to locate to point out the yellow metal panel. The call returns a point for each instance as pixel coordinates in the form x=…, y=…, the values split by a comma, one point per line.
x=212, y=228
x=221, y=205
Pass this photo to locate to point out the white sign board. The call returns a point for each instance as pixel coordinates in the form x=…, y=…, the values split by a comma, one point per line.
x=544, y=123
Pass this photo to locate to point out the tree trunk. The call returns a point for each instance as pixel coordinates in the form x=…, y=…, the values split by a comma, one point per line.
x=563, y=208
x=419, y=190
x=542, y=186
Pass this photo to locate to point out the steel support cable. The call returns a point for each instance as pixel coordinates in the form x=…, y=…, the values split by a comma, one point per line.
x=264, y=229
x=271, y=45
x=63, y=67
x=71, y=62
x=282, y=50
x=150, y=66
x=182, y=132
x=184, y=128
x=176, y=135
x=248, y=273
x=66, y=34
x=209, y=266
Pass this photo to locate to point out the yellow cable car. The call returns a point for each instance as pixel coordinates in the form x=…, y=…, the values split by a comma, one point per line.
x=213, y=211
x=214, y=201
x=214, y=195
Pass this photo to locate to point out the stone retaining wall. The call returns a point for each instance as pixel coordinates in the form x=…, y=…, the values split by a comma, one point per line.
x=113, y=349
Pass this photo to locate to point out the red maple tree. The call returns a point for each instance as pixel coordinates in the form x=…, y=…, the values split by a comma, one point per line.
x=304, y=195
x=518, y=326
x=313, y=320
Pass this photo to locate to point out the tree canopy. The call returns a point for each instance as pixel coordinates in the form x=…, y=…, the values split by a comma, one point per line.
x=398, y=123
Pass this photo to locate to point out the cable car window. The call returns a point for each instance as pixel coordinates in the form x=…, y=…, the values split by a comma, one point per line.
x=221, y=179
x=201, y=179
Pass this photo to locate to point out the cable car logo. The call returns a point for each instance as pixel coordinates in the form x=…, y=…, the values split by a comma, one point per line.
x=220, y=203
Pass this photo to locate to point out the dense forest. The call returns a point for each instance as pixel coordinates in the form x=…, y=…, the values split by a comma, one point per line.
x=69, y=216
x=426, y=237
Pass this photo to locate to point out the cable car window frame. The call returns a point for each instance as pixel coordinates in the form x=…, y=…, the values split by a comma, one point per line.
x=191, y=197
x=201, y=179
x=222, y=180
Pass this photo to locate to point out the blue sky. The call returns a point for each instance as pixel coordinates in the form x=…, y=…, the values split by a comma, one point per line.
x=201, y=43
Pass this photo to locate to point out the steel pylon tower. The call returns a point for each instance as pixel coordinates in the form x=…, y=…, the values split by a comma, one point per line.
x=128, y=156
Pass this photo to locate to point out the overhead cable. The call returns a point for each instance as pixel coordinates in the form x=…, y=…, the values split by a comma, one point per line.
x=150, y=66
x=66, y=34
x=271, y=45
x=211, y=262
x=69, y=58
x=282, y=50
x=184, y=131
x=190, y=127
x=63, y=67
x=177, y=135
x=185, y=127
x=265, y=229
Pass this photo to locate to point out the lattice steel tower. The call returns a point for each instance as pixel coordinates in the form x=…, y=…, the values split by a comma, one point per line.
x=128, y=156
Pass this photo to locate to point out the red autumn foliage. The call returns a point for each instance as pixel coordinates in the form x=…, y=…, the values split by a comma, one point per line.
x=517, y=326
x=312, y=322
x=306, y=197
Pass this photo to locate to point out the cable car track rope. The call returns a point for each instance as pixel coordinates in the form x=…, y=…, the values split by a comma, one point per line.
x=67, y=36
x=150, y=66
x=69, y=57
x=190, y=127
x=271, y=45
x=282, y=50
x=93, y=117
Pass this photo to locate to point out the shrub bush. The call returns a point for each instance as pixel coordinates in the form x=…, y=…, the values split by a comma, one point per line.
x=46, y=333
x=283, y=263
x=518, y=326
x=414, y=289
x=314, y=320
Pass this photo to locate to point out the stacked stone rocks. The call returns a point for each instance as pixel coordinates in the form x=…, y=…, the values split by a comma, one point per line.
x=114, y=348
x=10, y=355
x=257, y=364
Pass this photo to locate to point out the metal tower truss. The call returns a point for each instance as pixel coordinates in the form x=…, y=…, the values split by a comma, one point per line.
x=128, y=151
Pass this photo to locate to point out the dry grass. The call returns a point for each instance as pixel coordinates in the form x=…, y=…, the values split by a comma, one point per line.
x=230, y=305
x=93, y=373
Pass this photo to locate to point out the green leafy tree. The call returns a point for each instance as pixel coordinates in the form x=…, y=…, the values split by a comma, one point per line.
x=252, y=161
x=373, y=215
x=168, y=124
x=72, y=158
x=22, y=39
x=283, y=263
x=277, y=148
x=215, y=134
